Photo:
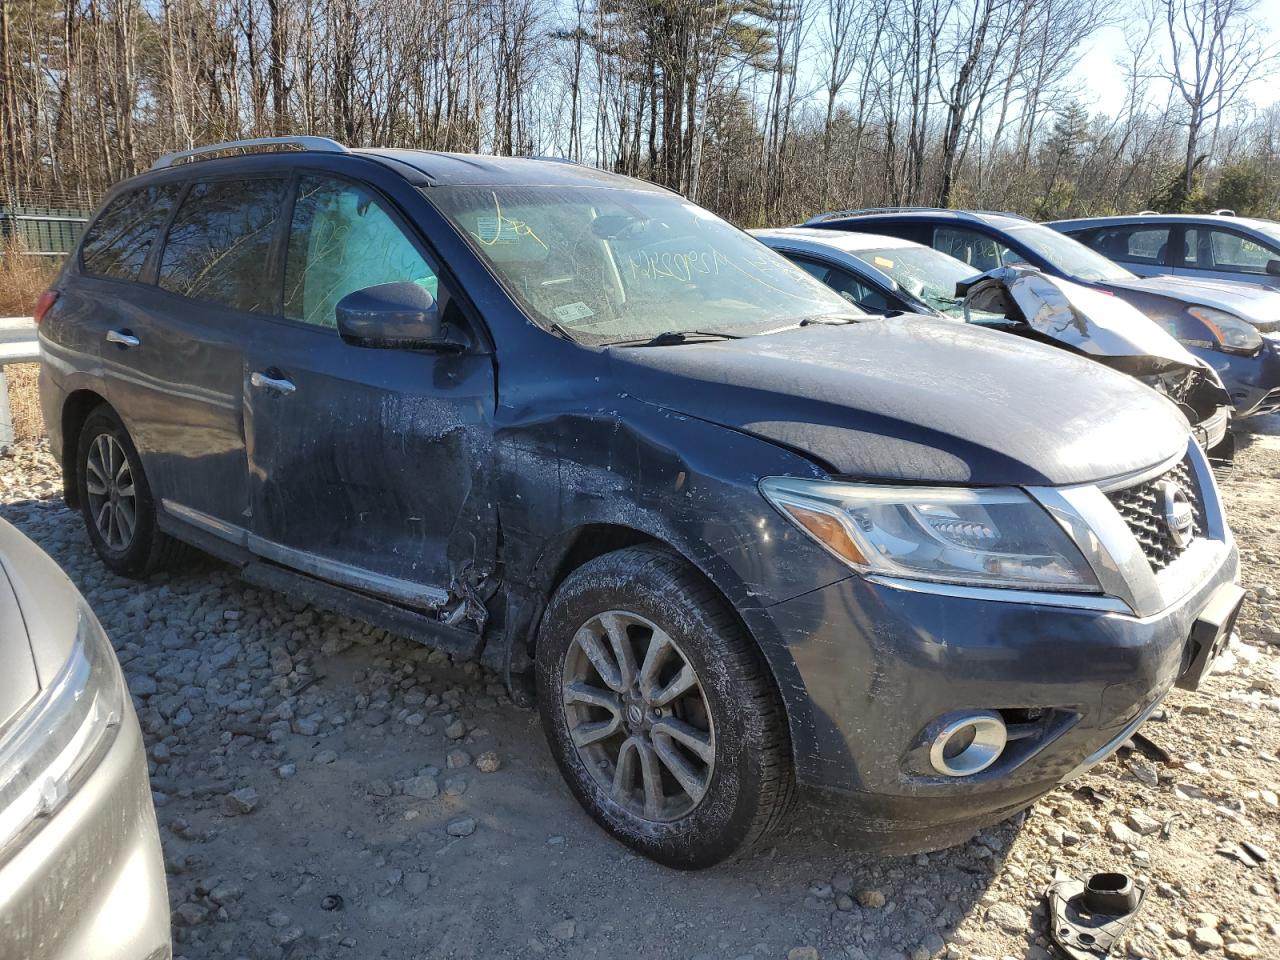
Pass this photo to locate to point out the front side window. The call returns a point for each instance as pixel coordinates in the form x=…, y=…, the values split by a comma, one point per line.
x=608, y=264
x=342, y=240
x=1145, y=245
x=217, y=248
x=1227, y=251
x=117, y=244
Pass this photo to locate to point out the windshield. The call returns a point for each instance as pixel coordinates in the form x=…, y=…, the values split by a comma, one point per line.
x=1069, y=256
x=1268, y=229
x=610, y=265
x=925, y=273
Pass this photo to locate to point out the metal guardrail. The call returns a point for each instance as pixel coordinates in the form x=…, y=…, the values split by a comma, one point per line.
x=18, y=344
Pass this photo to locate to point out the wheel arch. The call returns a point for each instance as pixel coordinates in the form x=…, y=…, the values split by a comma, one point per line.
x=584, y=543
x=75, y=411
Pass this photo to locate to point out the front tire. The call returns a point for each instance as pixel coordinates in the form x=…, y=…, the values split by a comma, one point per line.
x=660, y=710
x=115, y=499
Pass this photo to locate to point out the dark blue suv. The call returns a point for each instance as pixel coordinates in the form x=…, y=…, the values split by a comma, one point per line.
x=1206, y=319
x=733, y=535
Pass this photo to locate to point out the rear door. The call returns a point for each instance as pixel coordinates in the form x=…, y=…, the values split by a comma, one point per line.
x=178, y=382
x=1146, y=250
x=368, y=467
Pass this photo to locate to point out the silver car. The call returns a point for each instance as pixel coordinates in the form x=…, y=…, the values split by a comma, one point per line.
x=1196, y=246
x=81, y=874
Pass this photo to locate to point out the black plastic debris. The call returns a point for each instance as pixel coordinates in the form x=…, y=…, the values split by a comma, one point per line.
x=1088, y=918
x=1149, y=748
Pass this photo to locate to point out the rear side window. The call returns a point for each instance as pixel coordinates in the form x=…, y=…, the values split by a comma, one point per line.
x=978, y=250
x=342, y=240
x=218, y=245
x=1147, y=245
x=117, y=244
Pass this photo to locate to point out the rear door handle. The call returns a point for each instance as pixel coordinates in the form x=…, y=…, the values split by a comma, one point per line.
x=122, y=337
x=280, y=385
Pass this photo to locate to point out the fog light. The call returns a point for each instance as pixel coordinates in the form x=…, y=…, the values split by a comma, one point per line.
x=968, y=744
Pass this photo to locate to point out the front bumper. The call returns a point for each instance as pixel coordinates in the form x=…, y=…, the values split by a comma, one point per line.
x=91, y=881
x=1253, y=382
x=876, y=663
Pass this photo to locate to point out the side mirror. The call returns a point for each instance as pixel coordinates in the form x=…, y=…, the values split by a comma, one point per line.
x=1273, y=268
x=400, y=315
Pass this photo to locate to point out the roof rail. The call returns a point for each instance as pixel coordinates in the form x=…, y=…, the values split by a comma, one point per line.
x=865, y=212
x=315, y=144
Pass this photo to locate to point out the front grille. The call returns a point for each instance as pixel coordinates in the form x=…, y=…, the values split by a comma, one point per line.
x=1270, y=403
x=1142, y=510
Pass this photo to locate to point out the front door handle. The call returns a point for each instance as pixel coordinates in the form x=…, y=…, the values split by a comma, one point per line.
x=122, y=337
x=279, y=384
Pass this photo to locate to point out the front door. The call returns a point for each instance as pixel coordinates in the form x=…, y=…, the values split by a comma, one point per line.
x=368, y=467
x=1214, y=253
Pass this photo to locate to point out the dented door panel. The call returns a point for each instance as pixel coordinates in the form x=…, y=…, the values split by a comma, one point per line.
x=375, y=470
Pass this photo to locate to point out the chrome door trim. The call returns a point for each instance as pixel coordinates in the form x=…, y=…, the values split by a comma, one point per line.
x=210, y=524
x=405, y=591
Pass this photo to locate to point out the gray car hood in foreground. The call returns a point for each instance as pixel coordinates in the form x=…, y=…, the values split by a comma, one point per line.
x=1250, y=301
x=917, y=399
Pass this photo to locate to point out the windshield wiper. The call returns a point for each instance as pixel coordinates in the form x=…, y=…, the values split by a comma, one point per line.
x=672, y=337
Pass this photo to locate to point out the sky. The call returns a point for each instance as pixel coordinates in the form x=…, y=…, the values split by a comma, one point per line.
x=1103, y=81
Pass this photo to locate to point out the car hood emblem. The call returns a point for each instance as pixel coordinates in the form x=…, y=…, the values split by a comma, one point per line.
x=1176, y=511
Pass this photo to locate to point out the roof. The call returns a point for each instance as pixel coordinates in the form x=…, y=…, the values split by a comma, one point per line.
x=1208, y=219
x=420, y=167
x=846, y=241
x=996, y=218
x=473, y=169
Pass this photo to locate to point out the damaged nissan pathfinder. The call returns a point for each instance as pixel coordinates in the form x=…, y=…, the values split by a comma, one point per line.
x=741, y=544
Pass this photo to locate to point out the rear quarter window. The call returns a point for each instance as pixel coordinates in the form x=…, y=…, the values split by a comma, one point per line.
x=218, y=245
x=116, y=245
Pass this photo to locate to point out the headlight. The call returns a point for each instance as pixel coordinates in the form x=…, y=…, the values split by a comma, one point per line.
x=997, y=537
x=1231, y=334
x=61, y=737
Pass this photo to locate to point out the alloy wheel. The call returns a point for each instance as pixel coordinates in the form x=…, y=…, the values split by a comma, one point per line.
x=112, y=495
x=638, y=716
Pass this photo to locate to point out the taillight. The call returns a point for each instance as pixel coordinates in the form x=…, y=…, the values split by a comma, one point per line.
x=47, y=300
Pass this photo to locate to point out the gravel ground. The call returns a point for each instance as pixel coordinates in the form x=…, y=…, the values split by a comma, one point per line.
x=327, y=790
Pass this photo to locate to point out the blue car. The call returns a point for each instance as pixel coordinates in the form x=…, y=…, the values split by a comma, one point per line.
x=1229, y=327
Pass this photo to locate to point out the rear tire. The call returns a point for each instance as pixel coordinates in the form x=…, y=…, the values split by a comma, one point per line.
x=687, y=781
x=115, y=500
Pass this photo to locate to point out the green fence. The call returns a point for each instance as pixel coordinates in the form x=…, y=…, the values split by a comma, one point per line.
x=42, y=231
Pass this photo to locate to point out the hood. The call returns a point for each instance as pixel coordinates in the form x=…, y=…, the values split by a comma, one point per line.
x=1250, y=301
x=1097, y=324
x=916, y=399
